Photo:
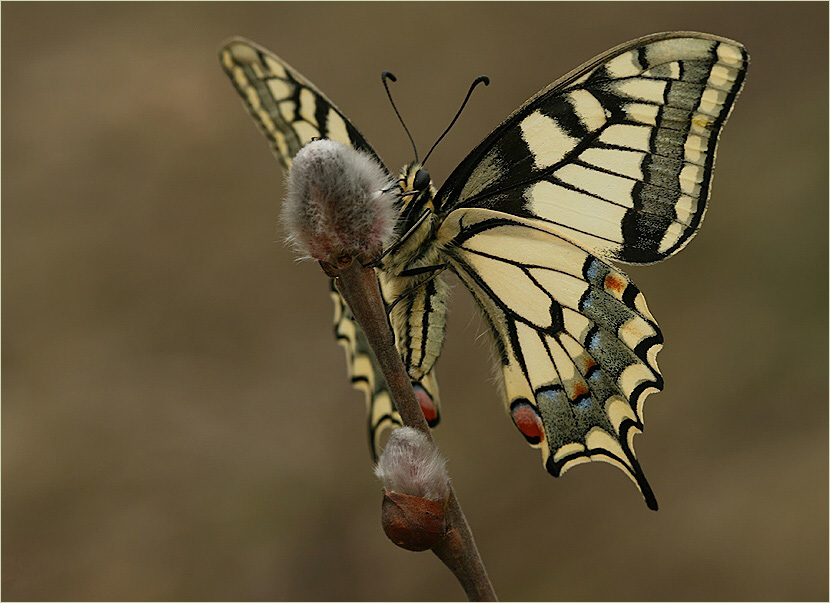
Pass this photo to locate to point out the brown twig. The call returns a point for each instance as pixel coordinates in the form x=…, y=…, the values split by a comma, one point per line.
x=457, y=549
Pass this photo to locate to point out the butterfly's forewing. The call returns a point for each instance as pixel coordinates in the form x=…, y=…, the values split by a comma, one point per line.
x=617, y=155
x=576, y=341
x=290, y=110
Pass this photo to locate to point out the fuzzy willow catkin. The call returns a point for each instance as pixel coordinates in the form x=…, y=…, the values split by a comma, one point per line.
x=337, y=202
x=411, y=464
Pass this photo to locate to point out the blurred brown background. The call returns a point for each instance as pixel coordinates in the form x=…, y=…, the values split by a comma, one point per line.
x=177, y=422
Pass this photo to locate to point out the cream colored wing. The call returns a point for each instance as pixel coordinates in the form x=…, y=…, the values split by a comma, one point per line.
x=366, y=375
x=617, y=155
x=575, y=339
x=290, y=110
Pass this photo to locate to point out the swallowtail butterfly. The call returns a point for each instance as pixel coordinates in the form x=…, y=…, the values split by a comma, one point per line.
x=613, y=162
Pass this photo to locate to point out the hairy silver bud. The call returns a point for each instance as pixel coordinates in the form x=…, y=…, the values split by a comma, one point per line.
x=337, y=203
x=416, y=489
x=411, y=464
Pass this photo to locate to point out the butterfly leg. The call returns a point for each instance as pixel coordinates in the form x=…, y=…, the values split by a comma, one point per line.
x=397, y=244
x=436, y=270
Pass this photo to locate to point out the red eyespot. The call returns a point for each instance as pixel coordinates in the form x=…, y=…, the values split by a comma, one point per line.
x=527, y=419
x=427, y=405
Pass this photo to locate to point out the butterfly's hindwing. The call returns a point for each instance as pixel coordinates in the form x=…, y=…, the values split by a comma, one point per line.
x=365, y=373
x=618, y=155
x=290, y=110
x=367, y=376
x=578, y=344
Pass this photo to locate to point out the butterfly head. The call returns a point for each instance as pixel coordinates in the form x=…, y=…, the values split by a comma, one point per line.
x=415, y=193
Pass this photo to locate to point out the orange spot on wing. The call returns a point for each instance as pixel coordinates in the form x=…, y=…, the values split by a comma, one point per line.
x=614, y=282
x=586, y=363
x=580, y=389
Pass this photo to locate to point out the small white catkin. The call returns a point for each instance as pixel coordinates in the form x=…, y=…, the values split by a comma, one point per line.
x=411, y=464
x=337, y=202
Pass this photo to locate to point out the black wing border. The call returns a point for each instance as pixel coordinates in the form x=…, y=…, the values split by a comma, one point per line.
x=453, y=185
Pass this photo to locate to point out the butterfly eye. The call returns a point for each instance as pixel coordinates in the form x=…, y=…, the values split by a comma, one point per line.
x=421, y=180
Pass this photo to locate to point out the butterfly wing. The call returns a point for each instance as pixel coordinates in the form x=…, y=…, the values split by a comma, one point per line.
x=291, y=111
x=618, y=154
x=574, y=337
x=366, y=375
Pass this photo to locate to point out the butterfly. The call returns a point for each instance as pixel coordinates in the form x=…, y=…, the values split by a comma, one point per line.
x=612, y=162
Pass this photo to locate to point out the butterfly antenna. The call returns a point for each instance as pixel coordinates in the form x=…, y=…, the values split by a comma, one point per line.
x=388, y=75
x=480, y=79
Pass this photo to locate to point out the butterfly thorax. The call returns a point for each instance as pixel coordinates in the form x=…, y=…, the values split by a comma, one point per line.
x=415, y=247
x=417, y=299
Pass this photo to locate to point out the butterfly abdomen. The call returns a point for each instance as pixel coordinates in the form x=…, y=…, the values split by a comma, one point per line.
x=412, y=286
x=419, y=320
